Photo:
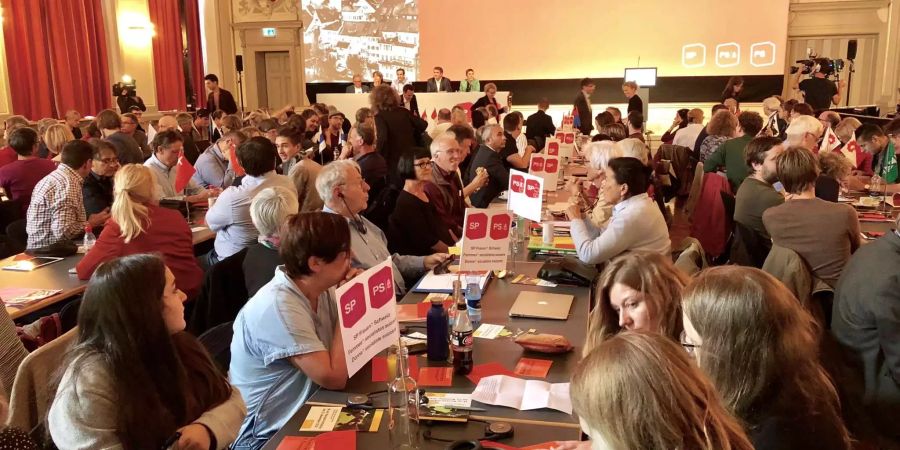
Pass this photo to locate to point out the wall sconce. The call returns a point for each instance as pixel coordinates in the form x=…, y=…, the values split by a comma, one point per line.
x=135, y=29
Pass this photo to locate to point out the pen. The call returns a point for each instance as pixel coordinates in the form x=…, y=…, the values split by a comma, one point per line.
x=171, y=440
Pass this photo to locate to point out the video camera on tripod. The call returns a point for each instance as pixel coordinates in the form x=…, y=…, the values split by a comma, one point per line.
x=830, y=67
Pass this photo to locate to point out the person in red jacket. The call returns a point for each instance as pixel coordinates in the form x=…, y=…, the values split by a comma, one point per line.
x=139, y=225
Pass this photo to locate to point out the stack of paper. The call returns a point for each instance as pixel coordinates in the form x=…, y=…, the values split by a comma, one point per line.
x=523, y=394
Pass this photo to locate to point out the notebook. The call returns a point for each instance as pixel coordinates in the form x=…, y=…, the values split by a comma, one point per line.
x=541, y=305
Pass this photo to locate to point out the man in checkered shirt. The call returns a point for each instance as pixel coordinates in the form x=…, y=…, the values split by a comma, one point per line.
x=56, y=212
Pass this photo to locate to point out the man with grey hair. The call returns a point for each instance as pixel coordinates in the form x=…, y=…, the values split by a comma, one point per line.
x=804, y=131
x=487, y=159
x=357, y=87
x=345, y=193
x=269, y=210
x=445, y=190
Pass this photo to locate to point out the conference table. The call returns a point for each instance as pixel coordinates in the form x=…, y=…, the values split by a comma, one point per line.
x=428, y=102
x=56, y=276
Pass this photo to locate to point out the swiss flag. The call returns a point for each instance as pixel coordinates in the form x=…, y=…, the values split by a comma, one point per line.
x=425, y=114
x=235, y=164
x=433, y=114
x=829, y=142
x=183, y=173
x=852, y=151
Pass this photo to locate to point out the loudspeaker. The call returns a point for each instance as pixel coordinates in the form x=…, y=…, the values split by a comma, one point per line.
x=851, y=49
x=239, y=62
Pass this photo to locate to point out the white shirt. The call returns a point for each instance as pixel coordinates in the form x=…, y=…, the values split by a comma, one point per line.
x=687, y=136
x=521, y=143
x=637, y=225
x=165, y=179
x=398, y=85
x=357, y=90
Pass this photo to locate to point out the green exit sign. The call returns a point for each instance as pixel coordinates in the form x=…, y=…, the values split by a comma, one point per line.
x=269, y=32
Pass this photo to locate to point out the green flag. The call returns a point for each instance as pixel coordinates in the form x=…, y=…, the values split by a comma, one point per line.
x=888, y=164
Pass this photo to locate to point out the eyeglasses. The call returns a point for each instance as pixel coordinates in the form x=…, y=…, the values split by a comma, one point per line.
x=691, y=349
x=112, y=160
x=423, y=165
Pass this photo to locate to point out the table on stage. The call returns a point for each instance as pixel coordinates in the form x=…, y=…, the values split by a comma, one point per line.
x=57, y=276
x=428, y=102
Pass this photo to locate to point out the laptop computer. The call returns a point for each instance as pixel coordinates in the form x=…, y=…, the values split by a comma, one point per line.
x=541, y=305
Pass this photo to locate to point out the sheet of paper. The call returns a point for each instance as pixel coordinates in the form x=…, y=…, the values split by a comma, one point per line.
x=435, y=376
x=488, y=331
x=196, y=229
x=321, y=418
x=523, y=394
x=444, y=283
x=530, y=367
x=449, y=400
x=24, y=296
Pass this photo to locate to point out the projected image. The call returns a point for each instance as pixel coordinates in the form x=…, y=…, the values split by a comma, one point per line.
x=346, y=37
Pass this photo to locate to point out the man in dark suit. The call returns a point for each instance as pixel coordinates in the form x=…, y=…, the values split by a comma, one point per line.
x=439, y=83
x=583, y=106
x=357, y=87
x=866, y=322
x=219, y=98
x=409, y=100
x=488, y=158
x=539, y=126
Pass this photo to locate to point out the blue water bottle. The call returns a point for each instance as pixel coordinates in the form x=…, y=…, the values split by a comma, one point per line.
x=438, y=331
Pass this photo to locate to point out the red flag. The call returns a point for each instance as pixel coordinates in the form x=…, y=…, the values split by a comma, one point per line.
x=235, y=164
x=183, y=173
x=433, y=114
x=425, y=114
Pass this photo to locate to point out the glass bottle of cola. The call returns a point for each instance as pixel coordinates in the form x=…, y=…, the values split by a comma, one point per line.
x=461, y=340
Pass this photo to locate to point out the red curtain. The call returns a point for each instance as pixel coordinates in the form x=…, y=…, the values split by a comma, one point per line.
x=26, y=58
x=78, y=64
x=167, y=55
x=56, y=54
x=195, y=51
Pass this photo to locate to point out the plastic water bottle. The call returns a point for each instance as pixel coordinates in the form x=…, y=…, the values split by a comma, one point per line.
x=473, y=298
x=89, y=238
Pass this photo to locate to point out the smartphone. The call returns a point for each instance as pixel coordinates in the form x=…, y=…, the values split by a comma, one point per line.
x=27, y=265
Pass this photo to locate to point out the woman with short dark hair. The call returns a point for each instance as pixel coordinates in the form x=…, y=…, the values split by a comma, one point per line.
x=397, y=131
x=414, y=227
x=134, y=378
x=636, y=225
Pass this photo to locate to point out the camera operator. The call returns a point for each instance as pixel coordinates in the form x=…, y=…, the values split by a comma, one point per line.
x=128, y=98
x=818, y=91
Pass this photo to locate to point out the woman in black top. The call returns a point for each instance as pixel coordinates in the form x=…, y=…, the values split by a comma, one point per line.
x=414, y=226
x=490, y=98
x=733, y=89
x=397, y=131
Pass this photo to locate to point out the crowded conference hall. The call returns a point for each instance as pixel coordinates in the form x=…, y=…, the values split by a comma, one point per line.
x=363, y=224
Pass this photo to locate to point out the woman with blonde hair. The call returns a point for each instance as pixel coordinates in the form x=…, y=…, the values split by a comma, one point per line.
x=139, y=225
x=55, y=137
x=640, y=391
x=722, y=127
x=834, y=171
x=760, y=348
x=637, y=291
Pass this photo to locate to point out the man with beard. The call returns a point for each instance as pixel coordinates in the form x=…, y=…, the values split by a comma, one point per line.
x=756, y=194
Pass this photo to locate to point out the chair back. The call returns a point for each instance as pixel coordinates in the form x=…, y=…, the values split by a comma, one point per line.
x=68, y=315
x=17, y=236
x=35, y=385
x=812, y=293
x=217, y=341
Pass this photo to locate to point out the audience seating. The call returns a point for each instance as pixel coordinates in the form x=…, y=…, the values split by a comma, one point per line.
x=217, y=341
x=222, y=296
x=17, y=236
x=68, y=315
x=789, y=267
x=691, y=259
x=35, y=384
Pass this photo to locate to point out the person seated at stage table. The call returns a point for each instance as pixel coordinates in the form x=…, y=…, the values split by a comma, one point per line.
x=139, y=225
x=636, y=225
x=134, y=377
x=488, y=158
x=513, y=158
x=826, y=249
x=346, y=193
x=19, y=178
x=377, y=79
x=400, y=82
x=641, y=391
x=438, y=83
x=445, y=188
x=213, y=167
x=56, y=212
x=415, y=228
x=229, y=216
x=287, y=342
x=164, y=166
x=489, y=98
x=539, y=126
x=731, y=153
x=358, y=87
x=470, y=84
x=629, y=88
x=760, y=348
x=269, y=210
x=722, y=127
x=882, y=144
x=637, y=292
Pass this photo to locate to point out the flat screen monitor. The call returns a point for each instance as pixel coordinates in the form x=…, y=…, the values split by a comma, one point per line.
x=643, y=76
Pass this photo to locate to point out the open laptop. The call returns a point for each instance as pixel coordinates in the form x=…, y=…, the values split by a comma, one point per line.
x=541, y=305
